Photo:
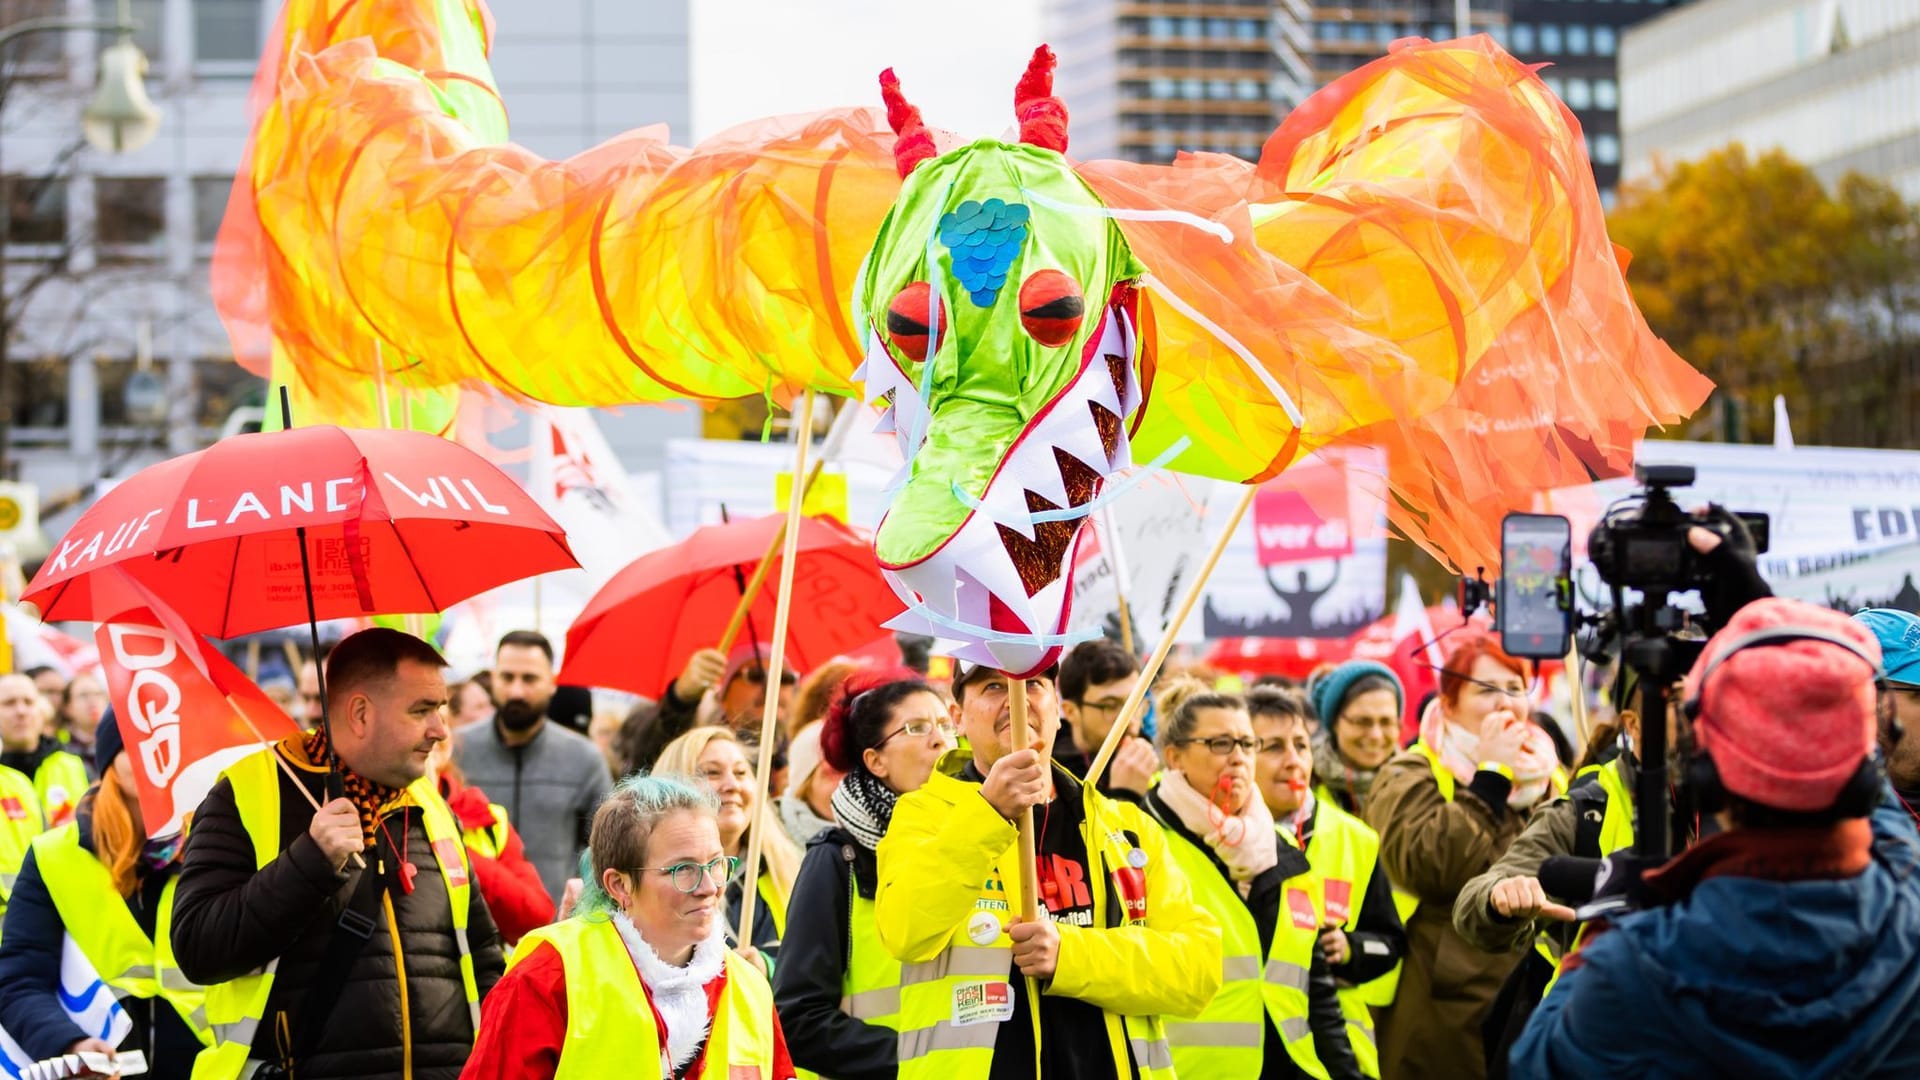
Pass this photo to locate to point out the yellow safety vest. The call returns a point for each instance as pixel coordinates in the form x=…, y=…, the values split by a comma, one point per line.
x=610, y=1029
x=948, y=1004
x=20, y=822
x=775, y=904
x=1226, y=1038
x=870, y=986
x=60, y=781
x=491, y=839
x=1345, y=848
x=1616, y=834
x=107, y=934
x=235, y=1009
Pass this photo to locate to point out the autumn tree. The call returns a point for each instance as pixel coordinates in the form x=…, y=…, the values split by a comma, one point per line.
x=1772, y=282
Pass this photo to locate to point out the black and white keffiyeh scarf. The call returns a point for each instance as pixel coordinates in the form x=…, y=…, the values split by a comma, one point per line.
x=863, y=803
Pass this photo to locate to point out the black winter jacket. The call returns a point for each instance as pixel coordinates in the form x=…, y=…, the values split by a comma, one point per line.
x=814, y=959
x=1331, y=1043
x=403, y=1003
x=30, y=990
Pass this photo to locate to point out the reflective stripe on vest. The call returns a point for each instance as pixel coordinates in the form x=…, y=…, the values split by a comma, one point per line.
x=610, y=1029
x=949, y=1004
x=235, y=1009
x=1345, y=848
x=870, y=986
x=1226, y=1038
x=107, y=934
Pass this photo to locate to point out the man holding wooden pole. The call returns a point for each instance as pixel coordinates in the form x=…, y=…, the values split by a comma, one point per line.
x=1119, y=943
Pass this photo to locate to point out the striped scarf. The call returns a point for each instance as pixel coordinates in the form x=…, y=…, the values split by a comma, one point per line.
x=863, y=803
x=368, y=797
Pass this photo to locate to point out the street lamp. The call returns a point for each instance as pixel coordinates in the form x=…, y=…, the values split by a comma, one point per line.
x=118, y=119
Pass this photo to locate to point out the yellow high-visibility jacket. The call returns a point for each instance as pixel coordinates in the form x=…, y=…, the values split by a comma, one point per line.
x=949, y=884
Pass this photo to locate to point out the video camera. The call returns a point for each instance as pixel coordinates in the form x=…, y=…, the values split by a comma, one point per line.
x=1642, y=551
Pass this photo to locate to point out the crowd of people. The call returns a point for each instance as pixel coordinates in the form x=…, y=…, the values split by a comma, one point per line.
x=447, y=879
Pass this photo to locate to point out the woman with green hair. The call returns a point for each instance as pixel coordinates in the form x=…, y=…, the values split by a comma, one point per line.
x=641, y=972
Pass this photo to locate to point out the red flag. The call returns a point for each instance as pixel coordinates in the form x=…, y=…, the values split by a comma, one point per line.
x=185, y=711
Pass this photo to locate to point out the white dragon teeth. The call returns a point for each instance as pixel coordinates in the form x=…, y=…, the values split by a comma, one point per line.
x=1006, y=504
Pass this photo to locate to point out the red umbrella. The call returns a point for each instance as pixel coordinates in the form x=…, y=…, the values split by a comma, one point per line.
x=395, y=521
x=639, y=629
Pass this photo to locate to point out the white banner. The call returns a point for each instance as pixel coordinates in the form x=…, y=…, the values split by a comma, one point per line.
x=1845, y=523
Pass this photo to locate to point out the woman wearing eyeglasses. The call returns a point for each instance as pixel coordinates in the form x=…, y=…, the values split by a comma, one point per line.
x=715, y=758
x=1446, y=808
x=640, y=977
x=1277, y=1014
x=1361, y=933
x=837, y=988
x=1359, y=705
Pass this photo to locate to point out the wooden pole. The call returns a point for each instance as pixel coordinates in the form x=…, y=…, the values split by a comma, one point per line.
x=1124, y=722
x=770, y=711
x=751, y=591
x=1022, y=734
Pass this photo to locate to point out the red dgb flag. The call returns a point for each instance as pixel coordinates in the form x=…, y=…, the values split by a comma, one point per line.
x=185, y=711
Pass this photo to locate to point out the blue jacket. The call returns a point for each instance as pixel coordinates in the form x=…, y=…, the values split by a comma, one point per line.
x=1751, y=979
x=30, y=975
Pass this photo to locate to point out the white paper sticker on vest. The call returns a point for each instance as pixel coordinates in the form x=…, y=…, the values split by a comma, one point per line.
x=989, y=1002
x=983, y=928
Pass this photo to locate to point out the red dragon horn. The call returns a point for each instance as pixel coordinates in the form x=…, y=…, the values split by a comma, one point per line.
x=1043, y=117
x=913, y=143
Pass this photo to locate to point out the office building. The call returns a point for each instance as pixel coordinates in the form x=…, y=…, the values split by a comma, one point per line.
x=1580, y=41
x=117, y=357
x=1834, y=83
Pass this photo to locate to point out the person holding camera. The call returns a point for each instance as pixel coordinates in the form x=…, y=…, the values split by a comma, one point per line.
x=1784, y=945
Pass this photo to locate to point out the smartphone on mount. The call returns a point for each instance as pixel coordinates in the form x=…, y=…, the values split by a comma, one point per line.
x=1533, y=608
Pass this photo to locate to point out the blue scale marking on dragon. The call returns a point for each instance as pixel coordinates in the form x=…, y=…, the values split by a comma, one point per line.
x=984, y=239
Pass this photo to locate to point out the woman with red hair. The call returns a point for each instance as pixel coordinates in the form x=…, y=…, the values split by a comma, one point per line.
x=1446, y=808
x=837, y=988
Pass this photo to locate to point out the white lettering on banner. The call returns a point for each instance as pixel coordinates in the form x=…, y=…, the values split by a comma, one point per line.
x=439, y=488
x=431, y=496
x=86, y=548
x=491, y=508
x=153, y=697
x=249, y=503
x=289, y=500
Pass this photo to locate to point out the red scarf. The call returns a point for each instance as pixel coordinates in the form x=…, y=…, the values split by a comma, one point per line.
x=1825, y=853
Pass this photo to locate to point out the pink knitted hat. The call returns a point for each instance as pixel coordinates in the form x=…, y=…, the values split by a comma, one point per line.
x=1786, y=723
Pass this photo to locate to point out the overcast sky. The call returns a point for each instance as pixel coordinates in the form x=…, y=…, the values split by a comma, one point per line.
x=958, y=62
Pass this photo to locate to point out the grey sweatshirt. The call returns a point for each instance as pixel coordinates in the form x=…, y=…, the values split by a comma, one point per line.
x=550, y=787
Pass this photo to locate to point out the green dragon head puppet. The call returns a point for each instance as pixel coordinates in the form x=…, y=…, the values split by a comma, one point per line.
x=1000, y=310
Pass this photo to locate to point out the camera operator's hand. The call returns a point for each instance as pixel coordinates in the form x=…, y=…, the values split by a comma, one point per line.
x=1502, y=734
x=1728, y=552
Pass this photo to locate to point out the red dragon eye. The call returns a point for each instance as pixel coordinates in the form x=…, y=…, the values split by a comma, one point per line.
x=1051, y=307
x=907, y=321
